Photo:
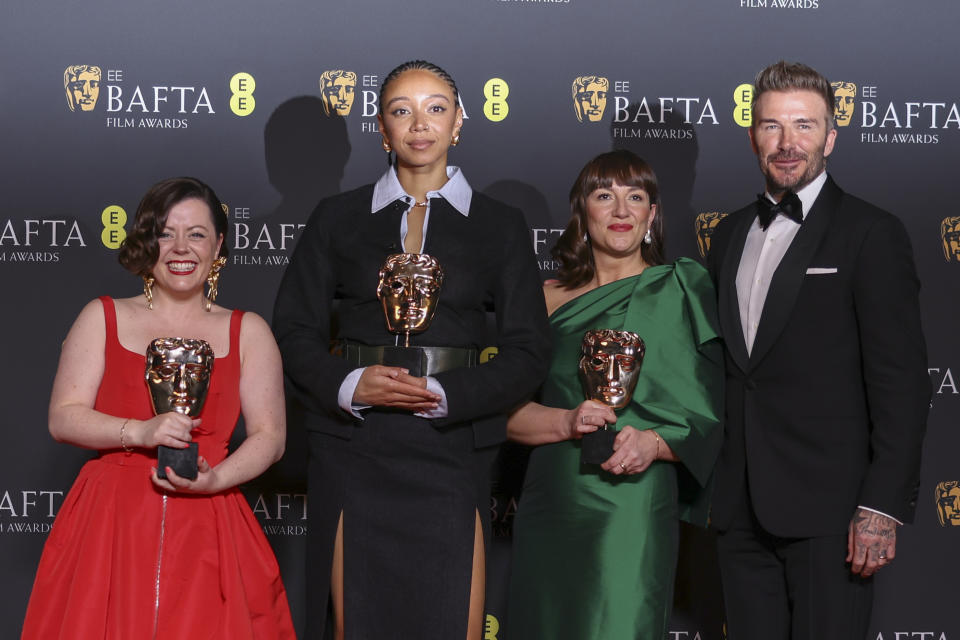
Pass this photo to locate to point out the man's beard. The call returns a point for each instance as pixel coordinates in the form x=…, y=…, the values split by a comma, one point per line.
x=815, y=163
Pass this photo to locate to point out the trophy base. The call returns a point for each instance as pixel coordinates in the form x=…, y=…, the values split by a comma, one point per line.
x=410, y=358
x=597, y=447
x=182, y=461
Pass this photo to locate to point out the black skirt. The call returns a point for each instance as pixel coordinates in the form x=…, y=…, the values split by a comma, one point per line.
x=409, y=494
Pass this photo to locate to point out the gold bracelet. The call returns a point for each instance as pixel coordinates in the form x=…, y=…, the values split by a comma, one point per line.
x=657, y=436
x=123, y=433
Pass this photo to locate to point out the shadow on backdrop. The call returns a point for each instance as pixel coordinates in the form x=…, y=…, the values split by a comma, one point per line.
x=670, y=146
x=306, y=152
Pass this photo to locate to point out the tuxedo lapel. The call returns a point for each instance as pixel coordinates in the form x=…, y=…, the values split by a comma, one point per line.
x=787, y=279
x=727, y=300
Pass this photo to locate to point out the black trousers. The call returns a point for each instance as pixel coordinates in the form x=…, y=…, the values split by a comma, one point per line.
x=789, y=588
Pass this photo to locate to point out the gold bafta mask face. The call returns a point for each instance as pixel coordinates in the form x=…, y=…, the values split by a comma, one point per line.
x=843, y=102
x=705, y=224
x=82, y=86
x=950, y=234
x=590, y=97
x=178, y=374
x=948, y=503
x=338, y=89
x=610, y=365
x=409, y=291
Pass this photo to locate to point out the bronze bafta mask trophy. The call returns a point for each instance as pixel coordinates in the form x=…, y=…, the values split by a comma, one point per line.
x=609, y=368
x=409, y=290
x=178, y=376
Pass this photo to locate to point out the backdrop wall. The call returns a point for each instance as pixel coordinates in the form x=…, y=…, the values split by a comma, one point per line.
x=101, y=100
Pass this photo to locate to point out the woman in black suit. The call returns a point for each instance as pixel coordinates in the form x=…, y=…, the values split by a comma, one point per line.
x=399, y=464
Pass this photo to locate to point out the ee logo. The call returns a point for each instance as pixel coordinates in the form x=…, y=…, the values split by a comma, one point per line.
x=242, y=86
x=488, y=354
x=491, y=628
x=113, y=218
x=495, y=108
x=743, y=112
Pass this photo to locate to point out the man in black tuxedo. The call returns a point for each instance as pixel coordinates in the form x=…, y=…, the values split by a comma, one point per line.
x=827, y=387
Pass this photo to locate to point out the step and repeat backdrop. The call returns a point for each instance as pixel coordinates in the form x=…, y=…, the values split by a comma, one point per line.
x=274, y=105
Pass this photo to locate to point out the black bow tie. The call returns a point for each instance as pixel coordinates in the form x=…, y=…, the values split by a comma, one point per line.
x=789, y=205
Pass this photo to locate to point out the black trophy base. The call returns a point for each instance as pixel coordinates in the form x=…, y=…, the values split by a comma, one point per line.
x=410, y=358
x=597, y=447
x=182, y=461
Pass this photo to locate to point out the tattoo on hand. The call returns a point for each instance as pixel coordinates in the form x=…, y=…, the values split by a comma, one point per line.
x=869, y=523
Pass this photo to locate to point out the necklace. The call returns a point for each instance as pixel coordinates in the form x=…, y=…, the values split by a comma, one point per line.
x=421, y=204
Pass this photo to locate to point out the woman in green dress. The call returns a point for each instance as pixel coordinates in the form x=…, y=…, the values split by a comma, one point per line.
x=595, y=546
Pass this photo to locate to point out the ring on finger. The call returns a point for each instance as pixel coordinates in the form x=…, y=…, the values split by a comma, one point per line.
x=623, y=466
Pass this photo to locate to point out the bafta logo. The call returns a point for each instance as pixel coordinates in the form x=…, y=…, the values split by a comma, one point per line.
x=950, y=234
x=81, y=82
x=338, y=89
x=948, y=503
x=705, y=224
x=590, y=97
x=843, y=104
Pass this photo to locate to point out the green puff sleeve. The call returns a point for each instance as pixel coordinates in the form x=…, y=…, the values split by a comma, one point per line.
x=680, y=390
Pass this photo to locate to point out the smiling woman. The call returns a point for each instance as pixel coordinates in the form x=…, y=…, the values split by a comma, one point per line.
x=595, y=545
x=124, y=555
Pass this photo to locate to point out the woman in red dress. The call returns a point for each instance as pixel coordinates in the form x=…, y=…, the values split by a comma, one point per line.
x=133, y=555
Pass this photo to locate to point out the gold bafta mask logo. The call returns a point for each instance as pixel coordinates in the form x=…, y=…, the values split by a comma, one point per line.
x=843, y=103
x=610, y=365
x=337, y=90
x=705, y=224
x=948, y=503
x=409, y=290
x=590, y=97
x=950, y=234
x=178, y=374
x=81, y=82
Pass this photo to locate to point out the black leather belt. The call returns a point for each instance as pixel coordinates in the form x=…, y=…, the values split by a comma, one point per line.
x=420, y=361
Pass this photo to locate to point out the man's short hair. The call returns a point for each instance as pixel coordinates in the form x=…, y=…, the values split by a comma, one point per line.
x=794, y=76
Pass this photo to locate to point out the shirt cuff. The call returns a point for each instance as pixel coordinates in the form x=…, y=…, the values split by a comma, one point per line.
x=885, y=515
x=345, y=396
x=441, y=411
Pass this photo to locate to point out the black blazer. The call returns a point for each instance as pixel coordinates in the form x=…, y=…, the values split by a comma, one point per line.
x=488, y=262
x=829, y=410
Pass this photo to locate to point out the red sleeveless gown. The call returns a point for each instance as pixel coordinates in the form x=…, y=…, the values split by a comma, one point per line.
x=125, y=561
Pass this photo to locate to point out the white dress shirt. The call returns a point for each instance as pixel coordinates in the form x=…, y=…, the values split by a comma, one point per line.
x=761, y=256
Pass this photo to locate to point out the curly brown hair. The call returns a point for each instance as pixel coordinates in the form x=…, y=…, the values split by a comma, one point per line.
x=139, y=251
x=573, y=250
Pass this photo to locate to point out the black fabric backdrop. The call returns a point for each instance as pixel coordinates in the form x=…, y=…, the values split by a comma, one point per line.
x=231, y=93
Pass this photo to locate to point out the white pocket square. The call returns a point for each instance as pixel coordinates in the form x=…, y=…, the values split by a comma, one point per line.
x=813, y=271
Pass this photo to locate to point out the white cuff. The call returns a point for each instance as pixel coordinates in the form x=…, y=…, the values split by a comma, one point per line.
x=345, y=396
x=441, y=411
x=885, y=515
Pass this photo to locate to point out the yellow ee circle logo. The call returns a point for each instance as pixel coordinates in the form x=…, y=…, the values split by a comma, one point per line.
x=113, y=218
x=242, y=86
x=491, y=628
x=496, y=91
x=743, y=112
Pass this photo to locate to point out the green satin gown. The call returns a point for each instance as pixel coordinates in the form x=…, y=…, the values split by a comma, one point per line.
x=594, y=555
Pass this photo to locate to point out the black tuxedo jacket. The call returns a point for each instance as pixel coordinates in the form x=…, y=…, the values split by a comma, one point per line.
x=829, y=409
x=488, y=263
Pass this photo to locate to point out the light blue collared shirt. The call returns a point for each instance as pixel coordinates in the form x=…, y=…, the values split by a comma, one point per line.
x=387, y=190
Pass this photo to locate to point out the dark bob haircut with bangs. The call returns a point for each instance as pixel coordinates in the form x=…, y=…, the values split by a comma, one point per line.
x=572, y=251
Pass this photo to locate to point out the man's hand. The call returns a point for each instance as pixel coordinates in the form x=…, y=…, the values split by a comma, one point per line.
x=871, y=542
